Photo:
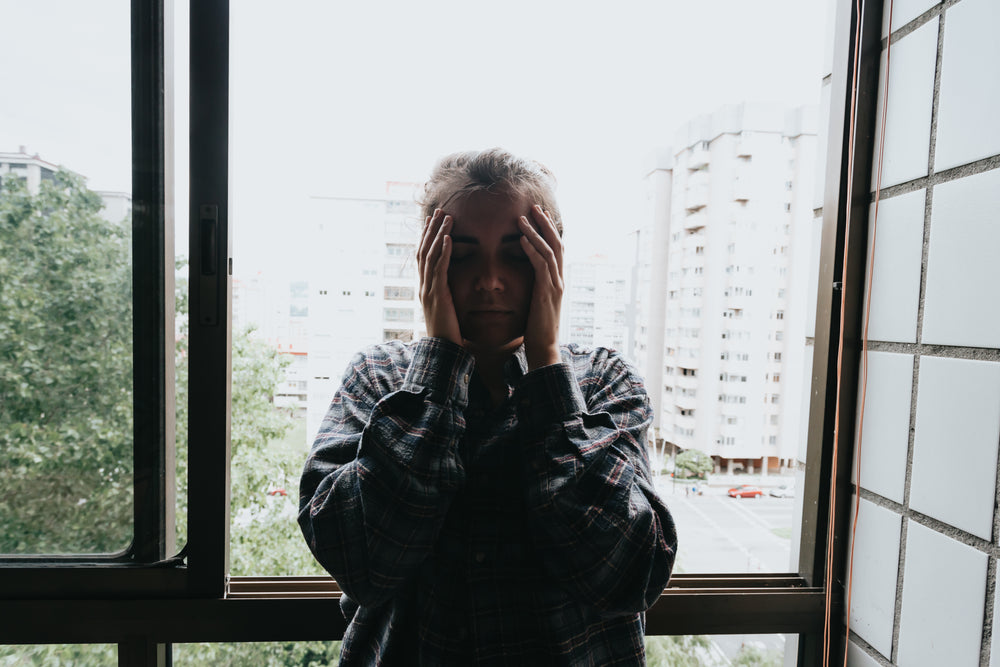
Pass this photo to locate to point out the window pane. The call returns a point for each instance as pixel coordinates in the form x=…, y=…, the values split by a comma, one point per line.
x=78, y=655
x=65, y=278
x=718, y=650
x=709, y=295
x=276, y=654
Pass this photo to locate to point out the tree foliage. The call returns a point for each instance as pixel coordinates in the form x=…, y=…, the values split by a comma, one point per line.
x=694, y=463
x=65, y=371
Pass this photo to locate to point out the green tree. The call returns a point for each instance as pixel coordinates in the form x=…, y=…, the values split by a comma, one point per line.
x=679, y=651
x=65, y=371
x=751, y=655
x=694, y=463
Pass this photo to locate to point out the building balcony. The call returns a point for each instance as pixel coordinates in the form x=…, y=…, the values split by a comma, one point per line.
x=695, y=221
x=684, y=422
x=699, y=157
x=686, y=381
x=741, y=189
x=696, y=197
x=685, y=402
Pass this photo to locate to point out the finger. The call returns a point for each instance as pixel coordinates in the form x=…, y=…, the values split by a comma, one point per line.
x=547, y=228
x=538, y=262
x=427, y=235
x=434, y=253
x=542, y=248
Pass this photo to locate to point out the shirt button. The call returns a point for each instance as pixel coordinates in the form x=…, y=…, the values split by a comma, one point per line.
x=480, y=556
x=465, y=378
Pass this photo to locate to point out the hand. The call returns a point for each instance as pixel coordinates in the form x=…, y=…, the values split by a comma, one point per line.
x=433, y=256
x=542, y=245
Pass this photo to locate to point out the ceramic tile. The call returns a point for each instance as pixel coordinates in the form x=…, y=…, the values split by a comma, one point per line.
x=886, y=428
x=895, y=293
x=908, y=119
x=904, y=11
x=873, y=585
x=957, y=429
x=856, y=657
x=968, y=126
x=960, y=306
x=941, y=621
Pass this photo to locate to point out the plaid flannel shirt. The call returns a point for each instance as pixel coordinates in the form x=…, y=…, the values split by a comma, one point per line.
x=462, y=534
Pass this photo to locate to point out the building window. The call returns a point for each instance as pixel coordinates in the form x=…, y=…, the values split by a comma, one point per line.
x=398, y=293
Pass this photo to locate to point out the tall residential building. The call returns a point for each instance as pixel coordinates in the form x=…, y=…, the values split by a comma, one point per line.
x=728, y=264
x=595, y=309
x=363, y=284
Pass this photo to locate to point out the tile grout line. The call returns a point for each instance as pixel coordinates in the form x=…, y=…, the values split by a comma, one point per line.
x=936, y=350
x=971, y=540
x=904, y=522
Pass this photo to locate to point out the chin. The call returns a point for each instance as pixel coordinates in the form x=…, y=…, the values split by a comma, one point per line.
x=494, y=343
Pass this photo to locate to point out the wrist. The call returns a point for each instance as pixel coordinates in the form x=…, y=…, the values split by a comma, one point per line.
x=544, y=357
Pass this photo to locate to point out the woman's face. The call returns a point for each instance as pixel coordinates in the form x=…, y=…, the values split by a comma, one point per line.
x=490, y=277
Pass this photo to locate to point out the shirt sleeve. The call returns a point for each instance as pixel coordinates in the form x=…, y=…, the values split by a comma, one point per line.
x=601, y=529
x=383, y=470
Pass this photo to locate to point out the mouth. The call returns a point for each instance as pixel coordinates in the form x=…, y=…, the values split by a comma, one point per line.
x=490, y=312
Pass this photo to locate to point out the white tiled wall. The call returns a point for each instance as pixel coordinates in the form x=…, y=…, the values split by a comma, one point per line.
x=895, y=292
x=963, y=263
x=968, y=123
x=886, y=426
x=876, y=562
x=934, y=300
x=904, y=11
x=955, y=442
x=908, y=119
x=941, y=620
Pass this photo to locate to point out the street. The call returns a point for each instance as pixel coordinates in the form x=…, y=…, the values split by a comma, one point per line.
x=719, y=534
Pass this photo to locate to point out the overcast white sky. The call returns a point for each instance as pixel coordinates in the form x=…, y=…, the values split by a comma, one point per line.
x=335, y=98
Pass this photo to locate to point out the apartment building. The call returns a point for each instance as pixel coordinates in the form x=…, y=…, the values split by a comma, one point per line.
x=731, y=207
x=596, y=308
x=363, y=285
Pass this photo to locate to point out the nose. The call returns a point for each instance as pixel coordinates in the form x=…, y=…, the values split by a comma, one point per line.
x=490, y=277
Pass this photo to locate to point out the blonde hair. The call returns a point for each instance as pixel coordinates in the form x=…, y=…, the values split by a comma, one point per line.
x=491, y=170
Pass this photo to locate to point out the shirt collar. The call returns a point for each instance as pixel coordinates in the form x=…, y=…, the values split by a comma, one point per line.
x=517, y=365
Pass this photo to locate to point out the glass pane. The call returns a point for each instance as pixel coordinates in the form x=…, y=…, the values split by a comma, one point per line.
x=78, y=655
x=177, y=101
x=719, y=650
x=691, y=230
x=275, y=654
x=65, y=278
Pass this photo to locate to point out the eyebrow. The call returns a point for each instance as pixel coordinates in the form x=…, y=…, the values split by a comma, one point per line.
x=506, y=238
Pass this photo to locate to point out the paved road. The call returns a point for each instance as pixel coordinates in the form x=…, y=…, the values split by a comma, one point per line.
x=719, y=534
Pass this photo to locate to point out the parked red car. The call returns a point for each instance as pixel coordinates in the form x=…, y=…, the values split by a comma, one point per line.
x=745, y=491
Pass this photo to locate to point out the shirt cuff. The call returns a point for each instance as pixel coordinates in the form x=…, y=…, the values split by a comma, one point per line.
x=442, y=368
x=547, y=395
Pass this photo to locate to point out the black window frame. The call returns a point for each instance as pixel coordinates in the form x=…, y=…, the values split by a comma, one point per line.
x=148, y=597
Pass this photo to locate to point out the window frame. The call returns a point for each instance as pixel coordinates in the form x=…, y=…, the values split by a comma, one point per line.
x=139, y=568
x=145, y=605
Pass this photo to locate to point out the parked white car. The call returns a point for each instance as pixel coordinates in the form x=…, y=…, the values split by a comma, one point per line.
x=783, y=491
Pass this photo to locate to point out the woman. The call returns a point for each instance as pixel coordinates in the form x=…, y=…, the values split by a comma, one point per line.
x=483, y=496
